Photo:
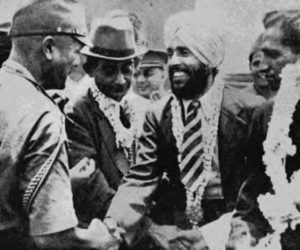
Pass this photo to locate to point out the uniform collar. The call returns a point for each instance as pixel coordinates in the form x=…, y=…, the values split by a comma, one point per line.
x=19, y=69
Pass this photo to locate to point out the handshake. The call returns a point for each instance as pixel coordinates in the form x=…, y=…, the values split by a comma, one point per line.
x=165, y=237
x=169, y=237
x=105, y=235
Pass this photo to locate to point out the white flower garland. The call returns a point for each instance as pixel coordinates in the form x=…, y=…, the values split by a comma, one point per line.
x=111, y=110
x=279, y=208
x=136, y=118
x=194, y=204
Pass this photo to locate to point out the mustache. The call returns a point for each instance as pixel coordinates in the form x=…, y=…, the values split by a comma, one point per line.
x=119, y=87
x=175, y=68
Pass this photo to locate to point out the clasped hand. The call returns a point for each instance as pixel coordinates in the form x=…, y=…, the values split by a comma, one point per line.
x=173, y=238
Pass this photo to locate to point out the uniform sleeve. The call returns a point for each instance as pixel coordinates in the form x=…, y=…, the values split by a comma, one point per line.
x=52, y=209
x=131, y=201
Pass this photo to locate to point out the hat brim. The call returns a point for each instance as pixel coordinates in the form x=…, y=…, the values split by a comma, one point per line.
x=139, y=52
x=84, y=40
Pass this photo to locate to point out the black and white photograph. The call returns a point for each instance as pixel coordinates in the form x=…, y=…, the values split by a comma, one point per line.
x=150, y=124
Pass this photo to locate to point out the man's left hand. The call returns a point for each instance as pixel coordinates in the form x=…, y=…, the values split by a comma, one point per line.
x=189, y=239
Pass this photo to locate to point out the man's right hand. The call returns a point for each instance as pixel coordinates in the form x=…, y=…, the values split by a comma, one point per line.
x=101, y=236
x=96, y=236
x=240, y=236
x=166, y=237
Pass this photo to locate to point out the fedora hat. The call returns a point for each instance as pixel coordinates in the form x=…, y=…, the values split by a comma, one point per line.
x=113, y=39
x=50, y=17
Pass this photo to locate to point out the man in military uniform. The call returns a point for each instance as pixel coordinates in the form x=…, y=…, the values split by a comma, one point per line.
x=35, y=193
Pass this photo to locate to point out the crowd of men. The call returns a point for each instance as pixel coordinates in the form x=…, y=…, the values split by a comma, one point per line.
x=108, y=144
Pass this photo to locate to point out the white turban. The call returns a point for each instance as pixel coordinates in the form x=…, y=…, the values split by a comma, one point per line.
x=203, y=39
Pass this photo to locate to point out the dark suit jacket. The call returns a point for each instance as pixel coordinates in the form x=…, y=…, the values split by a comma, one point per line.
x=157, y=154
x=258, y=182
x=90, y=135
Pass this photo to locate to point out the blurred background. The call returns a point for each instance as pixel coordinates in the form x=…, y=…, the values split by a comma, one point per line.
x=239, y=19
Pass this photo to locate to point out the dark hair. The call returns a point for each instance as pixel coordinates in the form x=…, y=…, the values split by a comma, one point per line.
x=90, y=64
x=276, y=17
x=5, y=46
x=288, y=21
x=270, y=18
x=290, y=28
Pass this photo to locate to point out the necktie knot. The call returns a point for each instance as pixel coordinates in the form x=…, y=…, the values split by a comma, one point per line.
x=194, y=106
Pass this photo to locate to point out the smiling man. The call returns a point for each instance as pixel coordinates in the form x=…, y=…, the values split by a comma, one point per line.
x=280, y=46
x=263, y=85
x=196, y=138
x=97, y=127
x=148, y=87
x=151, y=75
x=36, y=203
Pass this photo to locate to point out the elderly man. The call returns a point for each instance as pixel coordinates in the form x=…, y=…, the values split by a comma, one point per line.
x=280, y=46
x=97, y=126
x=196, y=137
x=36, y=204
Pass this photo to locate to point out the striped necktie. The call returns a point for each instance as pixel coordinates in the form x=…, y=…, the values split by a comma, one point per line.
x=192, y=146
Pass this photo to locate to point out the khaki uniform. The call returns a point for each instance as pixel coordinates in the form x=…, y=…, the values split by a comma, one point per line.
x=31, y=127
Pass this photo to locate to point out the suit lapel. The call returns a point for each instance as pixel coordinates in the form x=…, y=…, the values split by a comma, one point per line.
x=107, y=134
x=166, y=124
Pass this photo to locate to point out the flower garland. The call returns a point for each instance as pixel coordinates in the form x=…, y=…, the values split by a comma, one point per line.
x=137, y=117
x=280, y=208
x=193, y=210
x=111, y=110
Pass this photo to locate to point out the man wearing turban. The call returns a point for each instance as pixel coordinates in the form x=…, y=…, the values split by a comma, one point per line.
x=192, y=146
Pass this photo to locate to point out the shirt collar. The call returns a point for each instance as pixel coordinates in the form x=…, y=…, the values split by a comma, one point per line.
x=206, y=103
x=18, y=68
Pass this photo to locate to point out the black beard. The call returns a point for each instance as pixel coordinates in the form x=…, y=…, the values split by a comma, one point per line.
x=53, y=77
x=196, y=85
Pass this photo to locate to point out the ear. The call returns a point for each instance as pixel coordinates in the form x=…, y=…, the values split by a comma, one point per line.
x=48, y=45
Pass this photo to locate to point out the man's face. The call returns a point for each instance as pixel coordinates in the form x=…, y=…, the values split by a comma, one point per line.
x=114, y=78
x=188, y=75
x=149, y=79
x=271, y=57
x=65, y=54
x=77, y=71
x=256, y=64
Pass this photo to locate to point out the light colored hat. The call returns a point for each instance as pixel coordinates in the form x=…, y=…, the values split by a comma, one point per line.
x=50, y=17
x=154, y=58
x=203, y=39
x=112, y=39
